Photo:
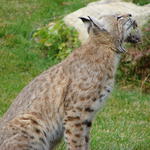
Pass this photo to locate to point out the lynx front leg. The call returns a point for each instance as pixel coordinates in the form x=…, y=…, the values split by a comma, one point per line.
x=76, y=130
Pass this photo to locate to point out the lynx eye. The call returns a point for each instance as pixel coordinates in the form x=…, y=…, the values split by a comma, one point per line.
x=130, y=15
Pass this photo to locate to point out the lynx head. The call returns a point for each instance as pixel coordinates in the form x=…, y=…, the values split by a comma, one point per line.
x=122, y=28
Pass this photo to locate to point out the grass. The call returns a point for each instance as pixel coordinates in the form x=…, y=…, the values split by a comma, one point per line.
x=20, y=57
x=123, y=125
x=139, y=2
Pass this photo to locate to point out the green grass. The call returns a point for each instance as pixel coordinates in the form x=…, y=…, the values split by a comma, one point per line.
x=124, y=124
x=20, y=57
x=139, y=2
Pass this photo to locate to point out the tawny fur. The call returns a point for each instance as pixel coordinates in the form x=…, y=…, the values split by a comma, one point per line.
x=64, y=99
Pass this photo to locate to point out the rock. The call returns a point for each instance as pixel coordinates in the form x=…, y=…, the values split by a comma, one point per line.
x=106, y=7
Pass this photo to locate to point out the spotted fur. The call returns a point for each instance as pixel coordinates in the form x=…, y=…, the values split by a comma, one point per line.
x=64, y=99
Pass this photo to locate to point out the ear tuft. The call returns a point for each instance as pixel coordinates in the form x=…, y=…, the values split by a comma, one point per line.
x=84, y=19
x=94, y=23
x=87, y=23
x=90, y=18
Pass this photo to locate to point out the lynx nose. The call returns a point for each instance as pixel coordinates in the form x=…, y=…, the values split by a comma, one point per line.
x=134, y=38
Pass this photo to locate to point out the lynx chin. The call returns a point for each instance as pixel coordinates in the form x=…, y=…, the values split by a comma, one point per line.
x=63, y=100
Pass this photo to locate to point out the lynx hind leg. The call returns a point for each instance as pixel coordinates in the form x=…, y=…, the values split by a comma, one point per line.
x=76, y=129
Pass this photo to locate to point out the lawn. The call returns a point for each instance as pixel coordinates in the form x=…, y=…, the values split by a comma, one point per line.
x=124, y=124
x=20, y=57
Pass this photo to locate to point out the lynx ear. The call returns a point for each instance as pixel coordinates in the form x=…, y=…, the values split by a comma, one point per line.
x=87, y=22
x=91, y=23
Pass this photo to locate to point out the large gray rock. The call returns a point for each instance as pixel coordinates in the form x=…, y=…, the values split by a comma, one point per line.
x=106, y=7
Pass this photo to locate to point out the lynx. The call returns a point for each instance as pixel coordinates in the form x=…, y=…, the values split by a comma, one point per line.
x=63, y=100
